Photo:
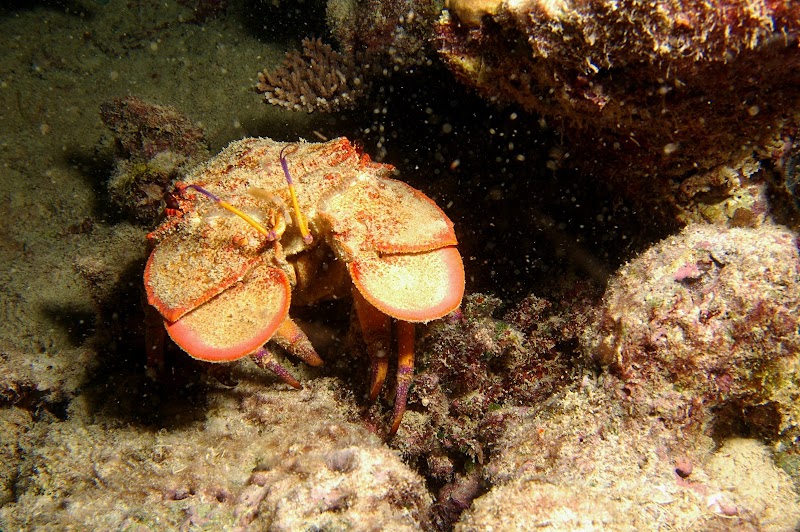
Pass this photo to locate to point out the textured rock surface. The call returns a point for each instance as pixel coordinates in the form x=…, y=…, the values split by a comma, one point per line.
x=394, y=33
x=257, y=458
x=585, y=461
x=665, y=90
x=699, y=345
x=707, y=320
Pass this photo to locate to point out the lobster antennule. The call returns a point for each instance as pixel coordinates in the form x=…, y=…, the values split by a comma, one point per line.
x=270, y=234
x=301, y=220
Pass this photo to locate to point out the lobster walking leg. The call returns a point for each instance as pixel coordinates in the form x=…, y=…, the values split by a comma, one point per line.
x=405, y=371
x=376, y=327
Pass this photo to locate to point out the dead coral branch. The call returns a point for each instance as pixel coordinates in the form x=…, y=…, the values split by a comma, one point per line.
x=316, y=79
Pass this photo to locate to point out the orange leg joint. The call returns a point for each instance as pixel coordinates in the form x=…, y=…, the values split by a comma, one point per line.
x=292, y=338
x=376, y=328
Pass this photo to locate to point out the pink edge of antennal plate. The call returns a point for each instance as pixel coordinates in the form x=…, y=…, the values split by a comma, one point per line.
x=416, y=287
x=236, y=322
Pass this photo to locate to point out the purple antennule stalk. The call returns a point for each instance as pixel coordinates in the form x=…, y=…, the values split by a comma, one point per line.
x=205, y=193
x=301, y=220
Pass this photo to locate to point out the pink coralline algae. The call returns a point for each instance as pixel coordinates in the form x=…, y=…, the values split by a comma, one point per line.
x=478, y=372
x=707, y=321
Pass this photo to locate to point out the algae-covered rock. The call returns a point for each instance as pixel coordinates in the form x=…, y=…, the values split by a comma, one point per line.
x=586, y=462
x=698, y=347
x=707, y=320
x=260, y=458
x=647, y=94
x=155, y=145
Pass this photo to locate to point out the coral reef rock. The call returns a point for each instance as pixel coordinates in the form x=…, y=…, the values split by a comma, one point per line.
x=699, y=344
x=154, y=144
x=582, y=462
x=707, y=321
x=268, y=459
x=667, y=89
x=394, y=34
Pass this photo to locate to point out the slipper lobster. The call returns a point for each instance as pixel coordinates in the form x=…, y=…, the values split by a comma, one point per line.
x=266, y=224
